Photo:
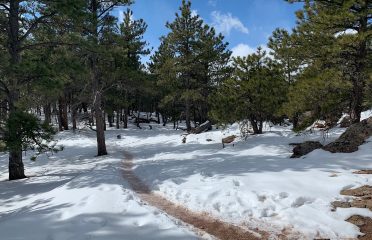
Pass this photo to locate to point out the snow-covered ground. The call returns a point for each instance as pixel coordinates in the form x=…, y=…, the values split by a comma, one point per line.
x=74, y=196
x=253, y=183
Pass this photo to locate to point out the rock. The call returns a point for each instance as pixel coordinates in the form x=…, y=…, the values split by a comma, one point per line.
x=345, y=122
x=228, y=140
x=362, y=191
x=302, y=149
x=364, y=171
x=357, y=220
x=202, y=128
x=354, y=136
x=340, y=204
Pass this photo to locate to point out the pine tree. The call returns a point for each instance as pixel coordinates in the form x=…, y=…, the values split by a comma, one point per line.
x=285, y=53
x=338, y=34
x=255, y=91
x=131, y=79
x=96, y=18
x=21, y=20
x=191, y=60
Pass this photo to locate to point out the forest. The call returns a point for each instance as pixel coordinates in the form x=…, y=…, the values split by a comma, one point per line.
x=73, y=67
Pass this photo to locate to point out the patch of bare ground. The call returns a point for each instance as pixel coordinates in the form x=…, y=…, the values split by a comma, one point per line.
x=201, y=221
x=363, y=199
x=364, y=171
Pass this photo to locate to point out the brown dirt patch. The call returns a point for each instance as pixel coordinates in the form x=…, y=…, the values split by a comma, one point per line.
x=363, y=199
x=365, y=171
x=364, y=224
x=201, y=221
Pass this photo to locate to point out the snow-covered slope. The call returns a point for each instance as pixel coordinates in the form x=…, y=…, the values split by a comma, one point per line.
x=255, y=182
x=73, y=195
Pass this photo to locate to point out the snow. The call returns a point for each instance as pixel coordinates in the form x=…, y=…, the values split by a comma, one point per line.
x=75, y=196
x=253, y=183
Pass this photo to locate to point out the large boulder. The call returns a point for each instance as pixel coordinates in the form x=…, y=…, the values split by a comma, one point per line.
x=302, y=149
x=352, y=138
x=345, y=122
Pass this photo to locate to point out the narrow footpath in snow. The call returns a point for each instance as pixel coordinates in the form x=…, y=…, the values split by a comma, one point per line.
x=201, y=221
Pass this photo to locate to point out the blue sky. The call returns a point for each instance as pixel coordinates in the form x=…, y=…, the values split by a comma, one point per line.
x=246, y=24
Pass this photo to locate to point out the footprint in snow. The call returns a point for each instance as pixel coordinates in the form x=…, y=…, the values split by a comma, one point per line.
x=236, y=183
x=283, y=195
x=300, y=201
x=95, y=220
x=217, y=206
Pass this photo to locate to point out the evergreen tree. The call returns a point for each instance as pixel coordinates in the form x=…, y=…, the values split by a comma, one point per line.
x=21, y=20
x=255, y=91
x=285, y=53
x=338, y=35
x=96, y=18
x=131, y=79
x=191, y=60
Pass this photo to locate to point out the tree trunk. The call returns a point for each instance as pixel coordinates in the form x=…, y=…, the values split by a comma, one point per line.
x=125, y=118
x=100, y=128
x=260, y=128
x=110, y=118
x=97, y=94
x=16, y=168
x=74, y=113
x=188, y=117
x=118, y=119
x=48, y=113
x=164, y=119
x=360, y=77
x=62, y=107
x=257, y=128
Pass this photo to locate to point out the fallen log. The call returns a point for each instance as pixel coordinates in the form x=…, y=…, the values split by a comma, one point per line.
x=202, y=128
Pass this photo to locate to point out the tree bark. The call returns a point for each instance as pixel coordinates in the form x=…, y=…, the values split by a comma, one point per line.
x=110, y=119
x=62, y=107
x=74, y=114
x=16, y=168
x=188, y=116
x=97, y=93
x=117, y=119
x=100, y=128
x=47, y=113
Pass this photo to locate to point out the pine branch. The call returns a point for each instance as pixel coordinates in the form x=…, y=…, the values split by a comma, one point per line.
x=35, y=24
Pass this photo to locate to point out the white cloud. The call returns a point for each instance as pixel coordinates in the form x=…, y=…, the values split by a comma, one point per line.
x=212, y=3
x=243, y=50
x=194, y=13
x=120, y=16
x=225, y=23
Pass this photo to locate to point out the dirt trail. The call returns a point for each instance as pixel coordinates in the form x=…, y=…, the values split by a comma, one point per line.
x=202, y=221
